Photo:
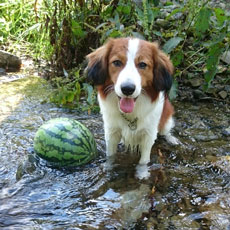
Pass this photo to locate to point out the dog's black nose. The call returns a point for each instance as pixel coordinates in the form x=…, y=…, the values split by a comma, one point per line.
x=127, y=88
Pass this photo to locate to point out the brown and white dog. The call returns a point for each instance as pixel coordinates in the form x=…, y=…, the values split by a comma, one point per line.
x=133, y=77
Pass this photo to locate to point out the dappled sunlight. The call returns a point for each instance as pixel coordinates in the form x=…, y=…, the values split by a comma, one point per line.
x=183, y=185
x=12, y=94
x=9, y=100
x=8, y=105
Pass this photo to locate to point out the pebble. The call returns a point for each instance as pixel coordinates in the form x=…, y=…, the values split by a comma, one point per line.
x=161, y=22
x=222, y=5
x=223, y=94
x=209, y=136
x=211, y=91
x=198, y=94
x=196, y=82
x=151, y=223
x=226, y=57
x=227, y=88
x=226, y=132
x=2, y=71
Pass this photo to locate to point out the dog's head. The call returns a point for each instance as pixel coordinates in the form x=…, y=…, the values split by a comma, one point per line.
x=129, y=66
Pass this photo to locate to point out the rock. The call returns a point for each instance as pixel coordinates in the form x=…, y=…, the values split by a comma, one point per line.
x=223, y=94
x=164, y=214
x=198, y=94
x=227, y=88
x=152, y=222
x=211, y=91
x=226, y=57
x=223, y=163
x=195, y=82
x=222, y=5
x=124, y=208
x=133, y=204
x=226, y=132
x=9, y=61
x=161, y=22
x=2, y=71
x=178, y=16
x=11, y=77
x=208, y=136
x=27, y=167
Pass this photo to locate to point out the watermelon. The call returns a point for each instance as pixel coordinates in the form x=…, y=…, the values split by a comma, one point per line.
x=65, y=142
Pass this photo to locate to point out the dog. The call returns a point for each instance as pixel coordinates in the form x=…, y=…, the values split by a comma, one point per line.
x=133, y=78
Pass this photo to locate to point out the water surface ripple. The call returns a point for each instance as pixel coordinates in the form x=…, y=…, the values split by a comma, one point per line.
x=188, y=187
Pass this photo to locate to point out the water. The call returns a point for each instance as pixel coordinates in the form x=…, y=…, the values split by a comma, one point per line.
x=188, y=187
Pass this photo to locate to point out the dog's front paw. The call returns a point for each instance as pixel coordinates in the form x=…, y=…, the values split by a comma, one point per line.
x=142, y=172
x=109, y=164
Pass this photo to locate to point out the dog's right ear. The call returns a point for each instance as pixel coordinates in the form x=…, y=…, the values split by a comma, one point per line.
x=97, y=68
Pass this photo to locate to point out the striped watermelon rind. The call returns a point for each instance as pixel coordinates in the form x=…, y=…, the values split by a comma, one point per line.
x=65, y=142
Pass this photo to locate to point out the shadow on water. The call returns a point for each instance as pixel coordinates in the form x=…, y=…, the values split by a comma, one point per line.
x=188, y=187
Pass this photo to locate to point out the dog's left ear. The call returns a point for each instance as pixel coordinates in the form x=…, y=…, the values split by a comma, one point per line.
x=97, y=68
x=162, y=72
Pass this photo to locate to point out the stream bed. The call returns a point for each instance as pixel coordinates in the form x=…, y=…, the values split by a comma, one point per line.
x=189, y=185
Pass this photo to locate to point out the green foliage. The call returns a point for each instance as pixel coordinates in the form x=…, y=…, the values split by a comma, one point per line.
x=205, y=33
x=202, y=21
x=171, y=44
x=192, y=32
x=70, y=92
x=146, y=17
x=22, y=22
x=213, y=55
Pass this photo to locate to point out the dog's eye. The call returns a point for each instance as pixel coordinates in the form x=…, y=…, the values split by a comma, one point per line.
x=117, y=63
x=142, y=65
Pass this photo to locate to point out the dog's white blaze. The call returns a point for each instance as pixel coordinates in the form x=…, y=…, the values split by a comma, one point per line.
x=130, y=72
x=133, y=46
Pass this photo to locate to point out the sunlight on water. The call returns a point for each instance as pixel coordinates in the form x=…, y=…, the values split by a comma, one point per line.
x=188, y=187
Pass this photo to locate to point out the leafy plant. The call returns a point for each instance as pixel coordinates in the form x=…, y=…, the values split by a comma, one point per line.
x=146, y=18
x=205, y=34
x=192, y=32
x=70, y=92
x=22, y=27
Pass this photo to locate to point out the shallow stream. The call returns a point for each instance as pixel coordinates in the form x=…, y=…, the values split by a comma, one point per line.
x=189, y=186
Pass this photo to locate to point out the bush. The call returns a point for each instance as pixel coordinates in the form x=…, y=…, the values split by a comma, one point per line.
x=193, y=33
x=22, y=27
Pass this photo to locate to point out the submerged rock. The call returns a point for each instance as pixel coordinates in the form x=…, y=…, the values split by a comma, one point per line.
x=209, y=136
x=27, y=167
x=133, y=204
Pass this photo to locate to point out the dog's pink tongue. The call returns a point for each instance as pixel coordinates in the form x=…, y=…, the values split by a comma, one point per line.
x=127, y=105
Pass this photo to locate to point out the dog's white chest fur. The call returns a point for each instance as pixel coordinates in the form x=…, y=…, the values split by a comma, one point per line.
x=116, y=125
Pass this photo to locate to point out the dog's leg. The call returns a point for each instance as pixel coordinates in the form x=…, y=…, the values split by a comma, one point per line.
x=147, y=142
x=112, y=139
x=145, y=154
x=166, y=131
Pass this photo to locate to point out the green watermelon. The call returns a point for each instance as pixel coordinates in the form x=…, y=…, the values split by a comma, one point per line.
x=65, y=142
